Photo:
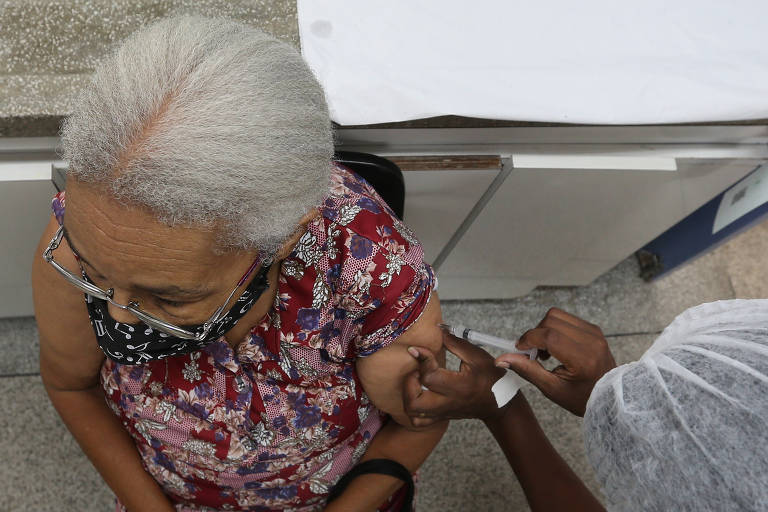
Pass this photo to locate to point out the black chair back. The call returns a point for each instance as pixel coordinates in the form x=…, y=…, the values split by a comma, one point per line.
x=383, y=175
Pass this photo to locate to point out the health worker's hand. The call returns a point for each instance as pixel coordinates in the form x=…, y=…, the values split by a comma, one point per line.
x=578, y=345
x=451, y=395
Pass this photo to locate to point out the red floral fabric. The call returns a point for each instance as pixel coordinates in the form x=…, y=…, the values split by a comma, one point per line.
x=273, y=423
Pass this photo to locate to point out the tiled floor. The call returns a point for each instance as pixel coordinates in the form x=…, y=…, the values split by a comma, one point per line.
x=44, y=470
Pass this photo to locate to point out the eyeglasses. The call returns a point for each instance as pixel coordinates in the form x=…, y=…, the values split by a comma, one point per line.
x=133, y=306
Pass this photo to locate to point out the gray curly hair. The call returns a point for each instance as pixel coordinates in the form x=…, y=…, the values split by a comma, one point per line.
x=206, y=122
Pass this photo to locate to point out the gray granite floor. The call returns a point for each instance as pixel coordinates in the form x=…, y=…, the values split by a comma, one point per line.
x=43, y=468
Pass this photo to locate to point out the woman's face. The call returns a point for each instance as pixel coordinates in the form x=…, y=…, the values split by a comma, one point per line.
x=172, y=272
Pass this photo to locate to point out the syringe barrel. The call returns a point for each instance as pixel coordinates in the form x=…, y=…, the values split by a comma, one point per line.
x=479, y=338
x=494, y=341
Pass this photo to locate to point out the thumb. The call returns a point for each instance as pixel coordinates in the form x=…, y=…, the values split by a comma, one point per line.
x=530, y=370
x=426, y=358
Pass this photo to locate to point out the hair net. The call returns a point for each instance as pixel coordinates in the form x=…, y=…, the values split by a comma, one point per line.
x=686, y=426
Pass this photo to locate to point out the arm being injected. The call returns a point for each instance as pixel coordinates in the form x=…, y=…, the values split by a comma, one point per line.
x=434, y=393
x=547, y=480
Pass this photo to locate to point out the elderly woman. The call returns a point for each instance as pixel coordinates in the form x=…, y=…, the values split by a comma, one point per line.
x=681, y=429
x=224, y=313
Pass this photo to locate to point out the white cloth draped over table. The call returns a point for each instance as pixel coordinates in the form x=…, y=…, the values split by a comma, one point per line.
x=598, y=61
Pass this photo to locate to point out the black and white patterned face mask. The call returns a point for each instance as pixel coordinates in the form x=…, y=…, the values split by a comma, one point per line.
x=138, y=343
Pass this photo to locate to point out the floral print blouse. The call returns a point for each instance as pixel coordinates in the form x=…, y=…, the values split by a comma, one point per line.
x=273, y=423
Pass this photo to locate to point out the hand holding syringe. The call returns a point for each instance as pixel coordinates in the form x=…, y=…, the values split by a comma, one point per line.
x=479, y=338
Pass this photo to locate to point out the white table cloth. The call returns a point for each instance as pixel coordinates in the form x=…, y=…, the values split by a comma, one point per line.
x=597, y=61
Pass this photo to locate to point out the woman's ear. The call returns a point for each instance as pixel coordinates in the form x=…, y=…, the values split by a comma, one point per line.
x=301, y=228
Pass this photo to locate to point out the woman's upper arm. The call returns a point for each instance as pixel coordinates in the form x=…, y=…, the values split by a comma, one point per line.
x=383, y=373
x=70, y=357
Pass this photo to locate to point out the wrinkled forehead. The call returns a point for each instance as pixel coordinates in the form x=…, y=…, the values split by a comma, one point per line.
x=106, y=230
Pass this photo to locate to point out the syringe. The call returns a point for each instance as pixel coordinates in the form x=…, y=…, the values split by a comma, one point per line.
x=478, y=338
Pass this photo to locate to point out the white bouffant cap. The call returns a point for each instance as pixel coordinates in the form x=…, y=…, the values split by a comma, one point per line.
x=686, y=426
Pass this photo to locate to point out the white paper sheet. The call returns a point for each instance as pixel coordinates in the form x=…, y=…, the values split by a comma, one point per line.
x=747, y=195
x=597, y=61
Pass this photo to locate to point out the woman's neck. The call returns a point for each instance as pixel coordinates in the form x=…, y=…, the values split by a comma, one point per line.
x=258, y=312
x=263, y=306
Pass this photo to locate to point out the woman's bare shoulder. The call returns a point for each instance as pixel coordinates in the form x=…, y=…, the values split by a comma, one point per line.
x=70, y=358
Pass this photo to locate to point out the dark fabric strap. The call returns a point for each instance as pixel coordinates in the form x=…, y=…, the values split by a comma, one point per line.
x=382, y=467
